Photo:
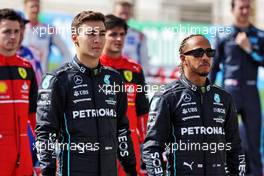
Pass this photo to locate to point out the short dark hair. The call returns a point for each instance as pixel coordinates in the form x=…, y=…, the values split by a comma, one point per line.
x=232, y=4
x=112, y=21
x=85, y=16
x=125, y=2
x=183, y=43
x=25, y=1
x=10, y=14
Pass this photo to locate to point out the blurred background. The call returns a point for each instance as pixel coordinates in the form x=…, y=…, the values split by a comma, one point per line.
x=164, y=22
x=205, y=11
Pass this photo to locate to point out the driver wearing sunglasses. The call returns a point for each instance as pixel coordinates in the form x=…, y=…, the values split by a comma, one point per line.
x=199, y=52
x=193, y=111
x=202, y=51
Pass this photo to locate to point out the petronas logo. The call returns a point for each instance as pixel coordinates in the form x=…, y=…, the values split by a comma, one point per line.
x=217, y=98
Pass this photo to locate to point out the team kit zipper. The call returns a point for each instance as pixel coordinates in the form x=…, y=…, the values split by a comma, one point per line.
x=97, y=123
x=203, y=121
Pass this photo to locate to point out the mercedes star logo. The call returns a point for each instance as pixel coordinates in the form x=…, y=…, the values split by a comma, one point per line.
x=78, y=79
x=187, y=98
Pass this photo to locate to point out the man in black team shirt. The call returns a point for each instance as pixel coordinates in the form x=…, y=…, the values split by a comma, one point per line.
x=73, y=110
x=193, y=122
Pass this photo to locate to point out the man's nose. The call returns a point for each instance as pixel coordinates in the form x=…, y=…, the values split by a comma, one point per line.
x=205, y=57
x=97, y=38
x=13, y=35
x=35, y=9
x=119, y=37
x=245, y=11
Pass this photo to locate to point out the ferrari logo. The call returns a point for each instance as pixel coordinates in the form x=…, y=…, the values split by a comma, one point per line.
x=128, y=75
x=3, y=87
x=22, y=72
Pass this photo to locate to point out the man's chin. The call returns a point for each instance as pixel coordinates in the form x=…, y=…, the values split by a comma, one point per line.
x=94, y=55
x=117, y=50
x=13, y=49
x=244, y=20
x=204, y=74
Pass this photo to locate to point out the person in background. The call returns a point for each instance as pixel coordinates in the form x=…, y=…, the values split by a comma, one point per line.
x=39, y=37
x=133, y=76
x=135, y=42
x=18, y=99
x=26, y=53
x=241, y=53
x=78, y=108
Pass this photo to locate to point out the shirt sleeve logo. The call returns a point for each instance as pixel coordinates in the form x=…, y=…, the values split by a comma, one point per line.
x=128, y=75
x=22, y=72
x=154, y=104
x=217, y=98
x=3, y=87
x=106, y=79
x=46, y=82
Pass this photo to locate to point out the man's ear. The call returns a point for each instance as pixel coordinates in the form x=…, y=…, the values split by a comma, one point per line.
x=182, y=58
x=74, y=39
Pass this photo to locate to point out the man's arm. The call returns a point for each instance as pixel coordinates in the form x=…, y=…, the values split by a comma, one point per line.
x=33, y=93
x=235, y=159
x=158, y=131
x=142, y=108
x=37, y=65
x=127, y=156
x=258, y=54
x=143, y=52
x=49, y=114
x=247, y=44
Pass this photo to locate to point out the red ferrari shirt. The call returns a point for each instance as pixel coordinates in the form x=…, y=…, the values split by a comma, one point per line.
x=18, y=96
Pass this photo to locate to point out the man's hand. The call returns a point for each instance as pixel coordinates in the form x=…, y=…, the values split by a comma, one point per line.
x=133, y=172
x=131, y=175
x=243, y=41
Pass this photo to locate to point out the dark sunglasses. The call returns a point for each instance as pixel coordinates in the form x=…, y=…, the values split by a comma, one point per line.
x=199, y=52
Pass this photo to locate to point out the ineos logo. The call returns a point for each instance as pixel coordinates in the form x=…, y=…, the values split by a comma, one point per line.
x=78, y=80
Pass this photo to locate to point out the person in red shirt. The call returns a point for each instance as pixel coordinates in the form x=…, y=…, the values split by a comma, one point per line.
x=134, y=81
x=18, y=97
